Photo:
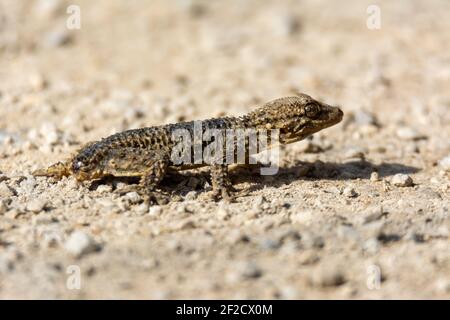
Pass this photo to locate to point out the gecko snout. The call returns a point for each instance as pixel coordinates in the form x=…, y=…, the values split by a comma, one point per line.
x=340, y=113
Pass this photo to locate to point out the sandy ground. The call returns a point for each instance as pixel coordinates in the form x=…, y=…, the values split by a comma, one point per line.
x=340, y=219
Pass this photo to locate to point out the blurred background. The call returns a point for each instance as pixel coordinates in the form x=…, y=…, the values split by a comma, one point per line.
x=188, y=58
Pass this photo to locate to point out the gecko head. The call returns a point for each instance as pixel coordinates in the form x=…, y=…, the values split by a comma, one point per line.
x=296, y=117
x=84, y=166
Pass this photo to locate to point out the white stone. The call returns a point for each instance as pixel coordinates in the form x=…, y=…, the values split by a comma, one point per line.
x=36, y=205
x=155, y=211
x=80, y=243
x=350, y=192
x=445, y=163
x=407, y=133
x=402, y=180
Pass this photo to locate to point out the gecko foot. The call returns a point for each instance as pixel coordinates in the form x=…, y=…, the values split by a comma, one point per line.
x=224, y=193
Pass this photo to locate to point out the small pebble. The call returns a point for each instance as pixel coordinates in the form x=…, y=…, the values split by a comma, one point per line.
x=6, y=265
x=187, y=224
x=222, y=213
x=415, y=236
x=355, y=153
x=50, y=134
x=445, y=163
x=312, y=241
x=36, y=205
x=371, y=215
x=104, y=188
x=307, y=257
x=350, y=192
x=57, y=38
x=47, y=8
x=402, y=180
x=28, y=184
x=442, y=286
x=287, y=293
x=406, y=133
x=237, y=236
x=374, y=176
x=13, y=213
x=327, y=277
x=371, y=245
x=260, y=203
x=285, y=24
x=142, y=208
x=41, y=219
x=362, y=117
x=249, y=270
x=37, y=82
x=269, y=244
x=441, y=232
x=3, y=207
x=155, y=211
x=80, y=243
x=374, y=229
x=348, y=232
x=191, y=195
x=133, y=197
x=6, y=191
x=287, y=235
x=3, y=177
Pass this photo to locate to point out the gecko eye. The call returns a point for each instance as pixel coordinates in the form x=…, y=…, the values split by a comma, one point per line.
x=77, y=165
x=312, y=110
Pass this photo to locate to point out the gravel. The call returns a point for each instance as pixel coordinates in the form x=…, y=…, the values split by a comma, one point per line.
x=355, y=152
x=374, y=177
x=445, y=163
x=133, y=197
x=349, y=192
x=80, y=243
x=36, y=205
x=296, y=234
x=57, y=38
x=363, y=118
x=3, y=207
x=372, y=214
x=327, y=277
x=155, y=211
x=6, y=191
x=402, y=180
x=247, y=271
x=407, y=133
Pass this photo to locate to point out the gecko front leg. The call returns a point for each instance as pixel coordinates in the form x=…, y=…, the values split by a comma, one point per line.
x=222, y=187
x=152, y=167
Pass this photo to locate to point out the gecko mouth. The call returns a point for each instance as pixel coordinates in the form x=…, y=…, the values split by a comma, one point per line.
x=302, y=130
x=292, y=135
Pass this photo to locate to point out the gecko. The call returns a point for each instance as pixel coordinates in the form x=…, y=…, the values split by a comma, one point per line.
x=147, y=152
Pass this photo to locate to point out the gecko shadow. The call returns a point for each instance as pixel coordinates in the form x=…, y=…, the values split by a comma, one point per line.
x=318, y=170
x=182, y=183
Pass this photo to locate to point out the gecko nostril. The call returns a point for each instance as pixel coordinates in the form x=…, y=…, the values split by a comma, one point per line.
x=339, y=112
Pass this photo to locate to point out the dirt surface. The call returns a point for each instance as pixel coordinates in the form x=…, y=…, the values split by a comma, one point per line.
x=359, y=211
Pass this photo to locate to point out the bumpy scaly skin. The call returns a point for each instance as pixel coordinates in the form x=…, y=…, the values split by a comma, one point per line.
x=146, y=152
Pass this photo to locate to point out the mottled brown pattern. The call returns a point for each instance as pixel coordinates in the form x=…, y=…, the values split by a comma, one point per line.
x=146, y=152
